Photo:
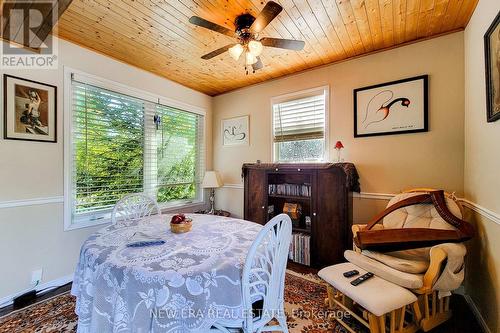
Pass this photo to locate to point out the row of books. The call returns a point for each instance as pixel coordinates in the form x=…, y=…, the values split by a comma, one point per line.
x=290, y=189
x=300, y=249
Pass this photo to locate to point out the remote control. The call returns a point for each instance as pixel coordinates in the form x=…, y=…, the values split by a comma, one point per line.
x=362, y=279
x=146, y=243
x=351, y=273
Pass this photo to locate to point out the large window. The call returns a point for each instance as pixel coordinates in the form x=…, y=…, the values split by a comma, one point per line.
x=299, y=126
x=122, y=143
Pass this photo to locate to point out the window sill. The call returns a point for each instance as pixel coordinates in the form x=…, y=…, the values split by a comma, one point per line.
x=86, y=224
x=165, y=209
x=176, y=207
x=304, y=162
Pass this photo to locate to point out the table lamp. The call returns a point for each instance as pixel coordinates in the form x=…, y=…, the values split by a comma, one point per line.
x=212, y=181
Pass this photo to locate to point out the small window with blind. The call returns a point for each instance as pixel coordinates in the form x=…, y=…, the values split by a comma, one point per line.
x=299, y=126
x=123, y=142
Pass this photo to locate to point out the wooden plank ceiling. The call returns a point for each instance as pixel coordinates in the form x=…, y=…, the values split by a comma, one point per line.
x=155, y=35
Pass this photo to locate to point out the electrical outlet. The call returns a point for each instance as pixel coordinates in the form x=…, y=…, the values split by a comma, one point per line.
x=36, y=276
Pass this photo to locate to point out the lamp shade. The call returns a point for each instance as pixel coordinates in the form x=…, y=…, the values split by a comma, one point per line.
x=339, y=145
x=212, y=180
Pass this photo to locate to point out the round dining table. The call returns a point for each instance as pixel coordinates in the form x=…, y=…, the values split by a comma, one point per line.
x=186, y=284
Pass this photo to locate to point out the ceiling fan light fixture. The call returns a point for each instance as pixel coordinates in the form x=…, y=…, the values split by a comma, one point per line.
x=255, y=48
x=236, y=51
x=250, y=59
x=246, y=36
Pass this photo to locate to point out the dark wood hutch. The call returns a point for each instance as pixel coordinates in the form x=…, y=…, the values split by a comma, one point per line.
x=328, y=203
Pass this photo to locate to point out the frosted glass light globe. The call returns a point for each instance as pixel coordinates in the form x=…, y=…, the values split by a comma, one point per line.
x=255, y=47
x=250, y=58
x=236, y=51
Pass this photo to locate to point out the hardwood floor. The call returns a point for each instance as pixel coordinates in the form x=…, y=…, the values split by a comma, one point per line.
x=8, y=309
x=463, y=320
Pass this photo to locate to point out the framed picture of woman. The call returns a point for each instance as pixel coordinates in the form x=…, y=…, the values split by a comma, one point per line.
x=30, y=110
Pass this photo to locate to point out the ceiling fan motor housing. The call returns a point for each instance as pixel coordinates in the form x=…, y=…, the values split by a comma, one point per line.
x=243, y=23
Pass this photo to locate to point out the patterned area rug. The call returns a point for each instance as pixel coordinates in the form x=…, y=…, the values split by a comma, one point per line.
x=304, y=296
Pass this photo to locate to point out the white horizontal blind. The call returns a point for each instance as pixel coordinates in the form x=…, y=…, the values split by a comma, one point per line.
x=176, y=146
x=118, y=149
x=108, y=139
x=299, y=119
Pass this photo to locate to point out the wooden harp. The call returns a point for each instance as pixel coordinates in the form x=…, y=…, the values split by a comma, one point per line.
x=386, y=240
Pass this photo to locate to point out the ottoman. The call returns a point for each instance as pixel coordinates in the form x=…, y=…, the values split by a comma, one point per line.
x=375, y=303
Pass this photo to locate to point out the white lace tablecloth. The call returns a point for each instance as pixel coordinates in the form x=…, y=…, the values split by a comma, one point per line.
x=184, y=285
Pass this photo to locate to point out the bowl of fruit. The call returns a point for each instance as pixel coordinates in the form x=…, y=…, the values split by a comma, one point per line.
x=180, y=224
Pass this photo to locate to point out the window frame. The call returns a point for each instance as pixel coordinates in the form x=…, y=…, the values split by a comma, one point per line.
x=296, y=95
x=87, y=220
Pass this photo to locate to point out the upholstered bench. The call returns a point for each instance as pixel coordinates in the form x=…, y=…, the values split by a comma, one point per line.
x=379, y=300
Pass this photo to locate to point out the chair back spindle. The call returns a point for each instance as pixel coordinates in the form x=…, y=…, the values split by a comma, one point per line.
x=264, y=274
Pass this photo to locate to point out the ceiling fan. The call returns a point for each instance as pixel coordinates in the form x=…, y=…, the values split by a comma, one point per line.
x=247, y=33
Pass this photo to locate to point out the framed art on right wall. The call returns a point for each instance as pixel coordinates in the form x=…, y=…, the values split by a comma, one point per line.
x=396, y=107
x=492, y=58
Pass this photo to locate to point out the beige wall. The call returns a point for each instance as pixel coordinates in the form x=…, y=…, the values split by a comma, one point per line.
x=32, y=237
x=482, y=158
x=482, y=274
x=482, y=162
x=434, y=158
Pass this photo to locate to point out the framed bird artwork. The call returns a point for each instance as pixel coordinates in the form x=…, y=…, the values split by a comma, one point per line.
x=395, y=107
x=235, y=131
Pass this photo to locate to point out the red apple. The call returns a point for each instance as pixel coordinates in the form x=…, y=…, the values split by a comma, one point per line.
x=178, y=219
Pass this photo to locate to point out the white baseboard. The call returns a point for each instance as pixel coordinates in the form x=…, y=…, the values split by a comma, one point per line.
x=7, y=300
x=477, y=314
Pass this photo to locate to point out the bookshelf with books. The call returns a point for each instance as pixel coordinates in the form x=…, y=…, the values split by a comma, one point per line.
x=300, y=251
x=317, y=199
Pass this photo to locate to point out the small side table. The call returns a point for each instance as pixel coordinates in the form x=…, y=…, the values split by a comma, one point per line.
x=218, y=212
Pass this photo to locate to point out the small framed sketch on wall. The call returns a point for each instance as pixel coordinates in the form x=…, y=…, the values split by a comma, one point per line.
x=492, y=58
x=391, y=108
x=29, y=110
x=235, y=131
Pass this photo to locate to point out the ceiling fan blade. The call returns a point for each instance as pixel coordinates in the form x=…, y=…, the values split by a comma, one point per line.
x=258, y=65
x=270, y=11
x=217, y=52
x=289, y=44
x=201, y=22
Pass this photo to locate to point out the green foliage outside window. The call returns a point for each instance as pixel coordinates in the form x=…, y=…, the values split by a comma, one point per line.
x=176, y=154
x=300, y=151
x=110, y=148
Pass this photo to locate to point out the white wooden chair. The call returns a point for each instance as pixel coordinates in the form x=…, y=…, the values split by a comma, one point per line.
x=133, y=207
x=263, y=279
